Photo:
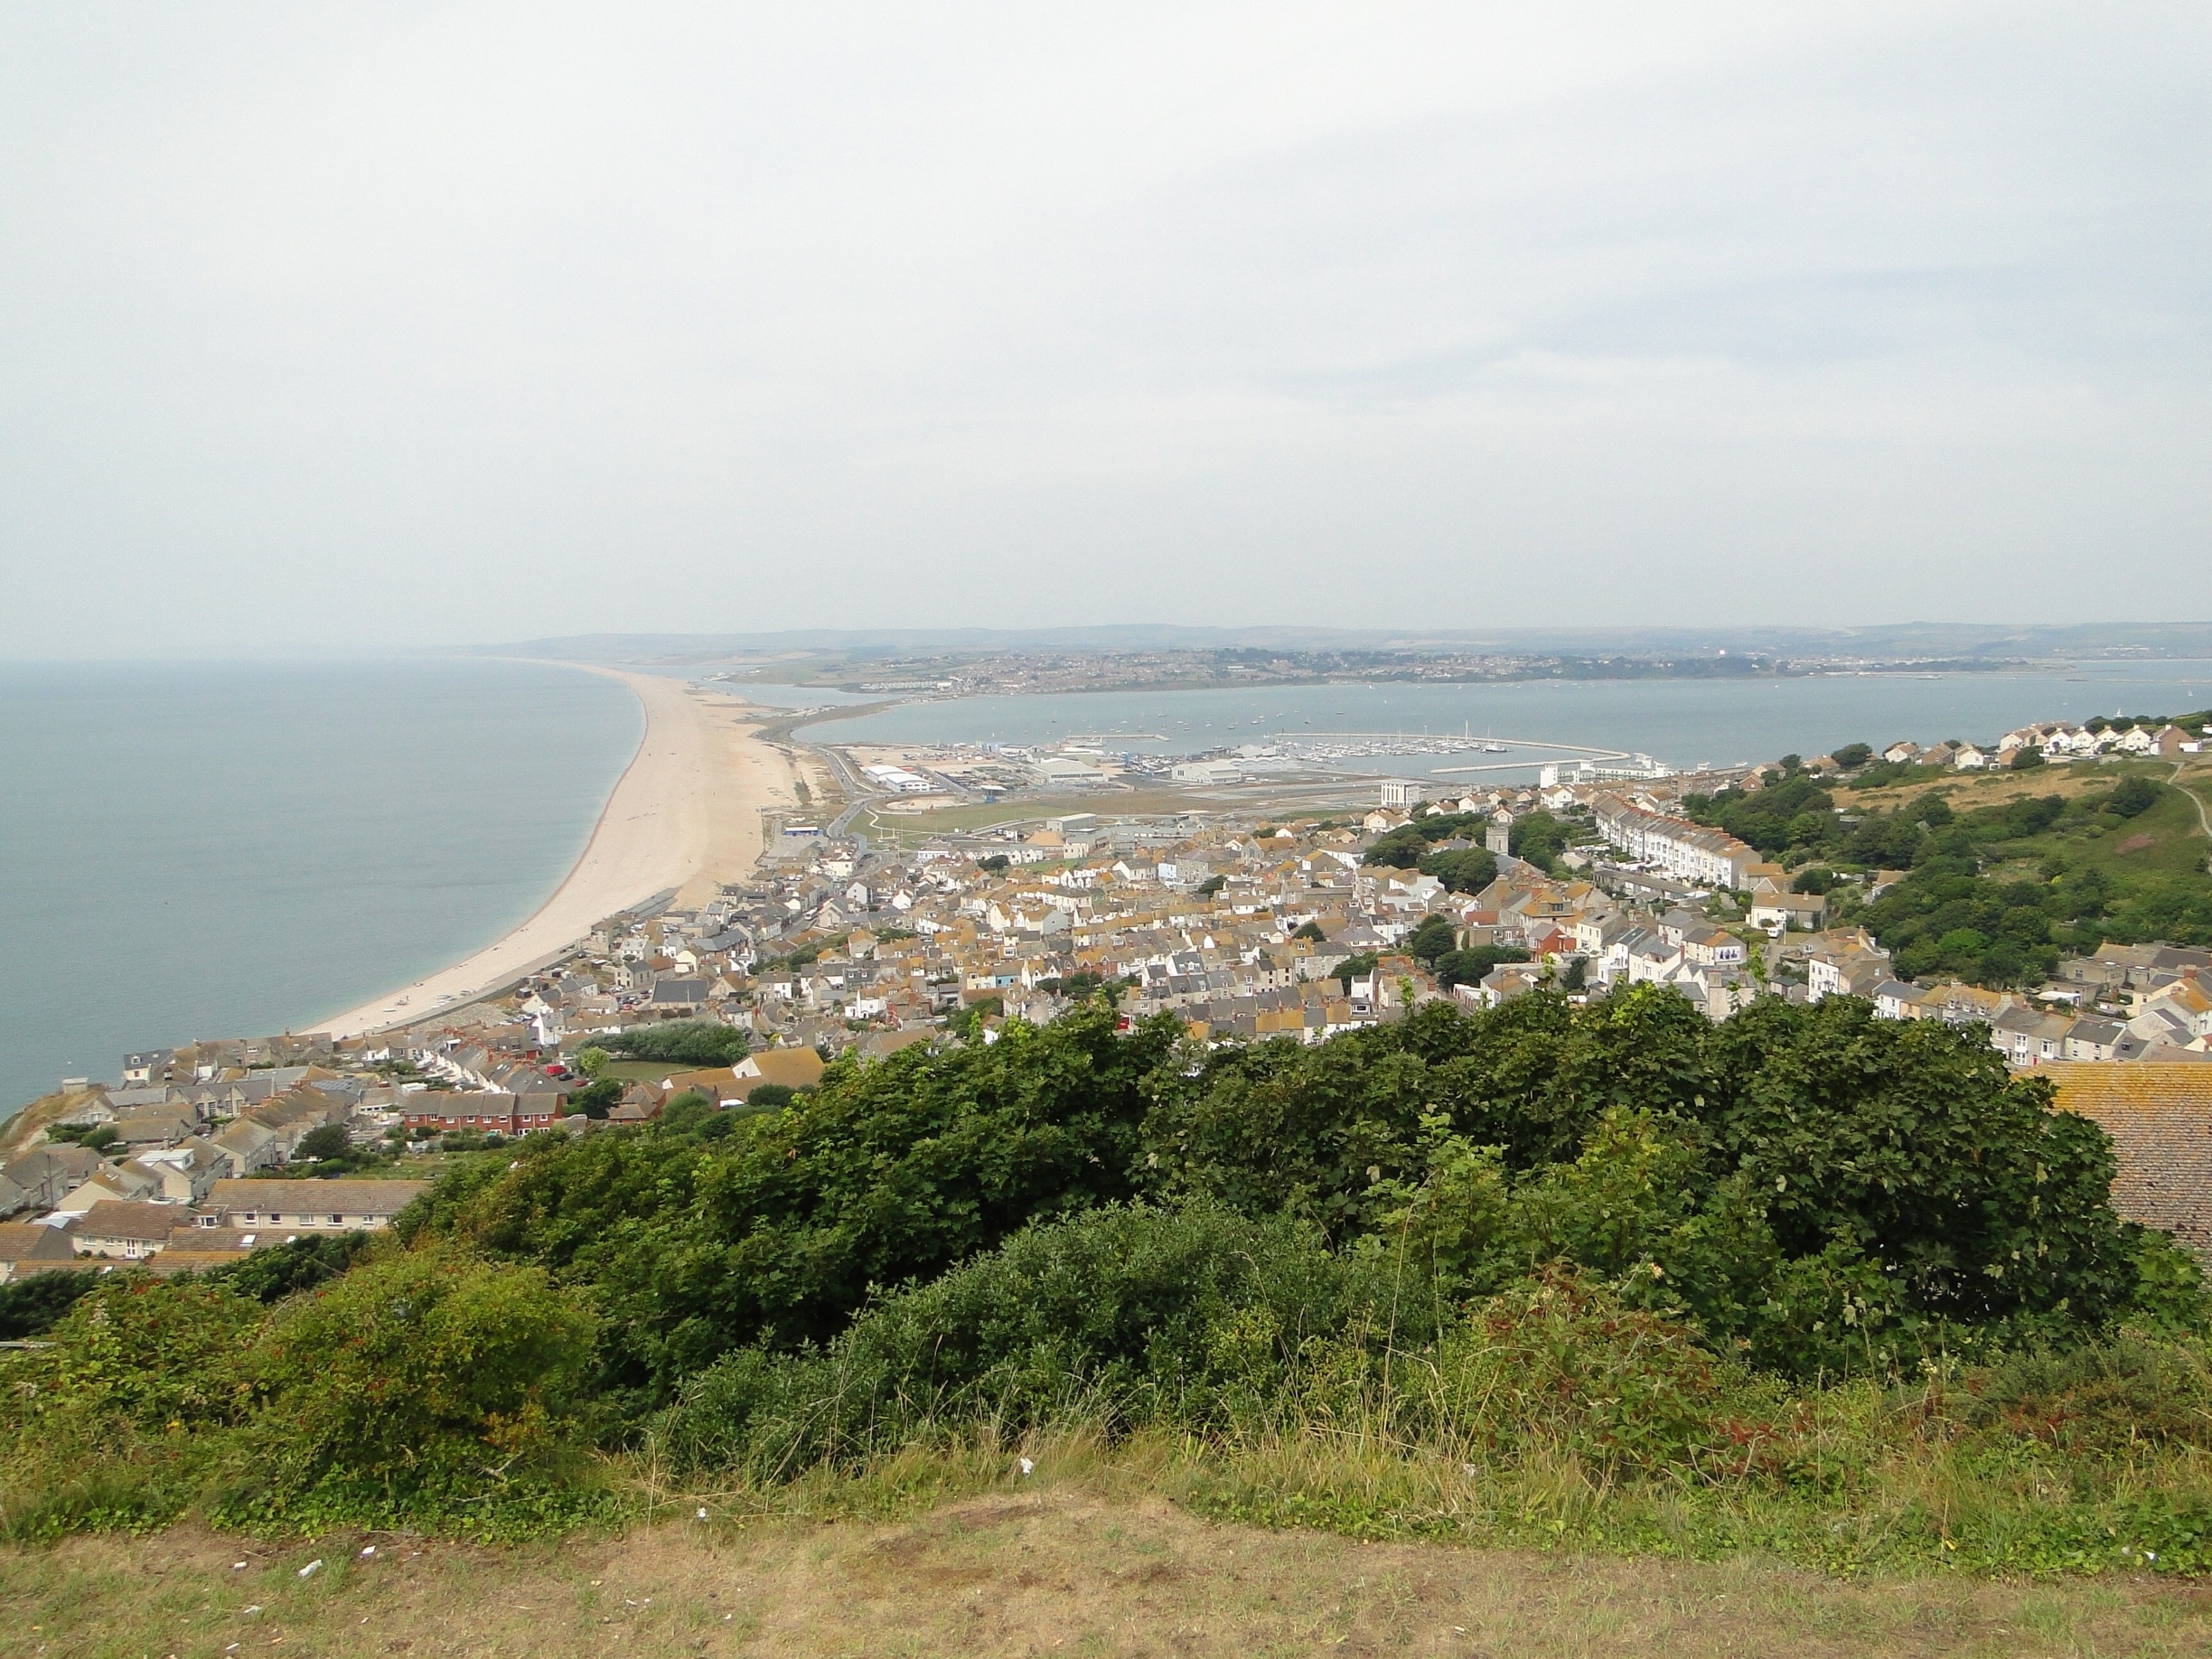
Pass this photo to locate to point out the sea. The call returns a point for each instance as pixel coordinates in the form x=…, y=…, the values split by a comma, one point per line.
x=218, y=850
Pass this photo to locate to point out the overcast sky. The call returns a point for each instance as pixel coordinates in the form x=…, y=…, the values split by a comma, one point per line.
x=451, y=324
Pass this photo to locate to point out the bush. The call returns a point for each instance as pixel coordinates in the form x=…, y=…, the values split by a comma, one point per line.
x=298, y=1264
x=684, y=1042
x=413, y=1381
x=879, y=1175
x=2105, y=1400
x=2132, y=796
x=30, y=1307
x=1561, y=1364
x=1122, y=1317
x=134, y=1353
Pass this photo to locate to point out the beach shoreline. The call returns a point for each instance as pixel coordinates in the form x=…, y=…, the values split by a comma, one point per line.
x=683, y=819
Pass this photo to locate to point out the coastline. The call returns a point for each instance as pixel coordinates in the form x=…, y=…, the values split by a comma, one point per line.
x=683, y=818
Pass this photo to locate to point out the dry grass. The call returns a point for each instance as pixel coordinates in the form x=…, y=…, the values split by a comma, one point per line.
x=1966, y=791
x=1058, y=1569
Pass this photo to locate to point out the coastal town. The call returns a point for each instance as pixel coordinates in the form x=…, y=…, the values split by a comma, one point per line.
x=1246, y=920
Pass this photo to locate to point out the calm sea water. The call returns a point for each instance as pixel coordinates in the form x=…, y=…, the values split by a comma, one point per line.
x=1684, y=722
x=199, y=850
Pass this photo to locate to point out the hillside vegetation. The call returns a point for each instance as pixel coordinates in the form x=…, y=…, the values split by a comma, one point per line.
x=1841, y=1286
x=2003, y=875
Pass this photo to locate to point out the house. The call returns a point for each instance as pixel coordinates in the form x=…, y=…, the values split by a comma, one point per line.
x=1777, y=909
x=1505, y=982
x=718, y=1084
x=1712, y=947
x=2027, y=1038
x=46, y=1174
x=131, y=1232
x=33, y=1247
x=249, y=1145
x=111, y=1183
x=154, y=1125
x=2094, y=1039
x=682, y=995
x=1895, y=999
x=793, y=1068
x=310, y=1206
x=491, y=1111
x=1695, y=852
x=2185, y=1001
x=148, y=1066
x=1846, y=962
x=185, y=1173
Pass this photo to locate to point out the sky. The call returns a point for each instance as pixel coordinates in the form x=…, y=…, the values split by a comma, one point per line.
x=379, y=326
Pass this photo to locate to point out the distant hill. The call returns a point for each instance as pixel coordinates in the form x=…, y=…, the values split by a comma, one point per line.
x=1886, y=641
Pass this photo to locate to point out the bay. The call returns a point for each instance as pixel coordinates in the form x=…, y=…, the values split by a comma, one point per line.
x=1685, y=723
x=192, y=849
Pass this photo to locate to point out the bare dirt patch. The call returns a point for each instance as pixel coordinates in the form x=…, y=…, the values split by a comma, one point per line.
x=1060, y=1572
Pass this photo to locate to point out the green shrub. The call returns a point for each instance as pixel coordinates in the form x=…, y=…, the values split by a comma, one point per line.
x=2103, y=1399
x=1120, y=1317
x=30, y=1307
x=686, y=1042
x=880, y=1176
x=417, y=1380
x=135, y=1354
x=298, y=1264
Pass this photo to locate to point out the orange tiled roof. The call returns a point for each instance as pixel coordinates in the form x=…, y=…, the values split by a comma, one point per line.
x=2160, y=1118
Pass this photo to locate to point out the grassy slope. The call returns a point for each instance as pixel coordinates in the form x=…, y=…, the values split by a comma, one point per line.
x=26, y=1130
x=2166, y=840
x=1050, y=1569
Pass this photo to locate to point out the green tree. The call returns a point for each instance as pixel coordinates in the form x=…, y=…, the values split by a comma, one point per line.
x=684, y=1042
x=1473, y=965
x=1432, y=939
x=327, y=1141
x=1463, y=869
x=596, y=1100
x=1539, y=837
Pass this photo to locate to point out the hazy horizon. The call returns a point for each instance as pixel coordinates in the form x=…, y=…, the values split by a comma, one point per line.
x=464, y=325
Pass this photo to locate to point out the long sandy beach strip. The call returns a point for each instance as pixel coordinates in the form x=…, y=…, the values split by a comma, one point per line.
x=684, y=817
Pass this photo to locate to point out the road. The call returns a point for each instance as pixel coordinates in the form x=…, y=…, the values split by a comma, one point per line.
x=2202, y=823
